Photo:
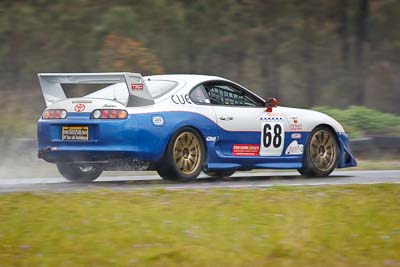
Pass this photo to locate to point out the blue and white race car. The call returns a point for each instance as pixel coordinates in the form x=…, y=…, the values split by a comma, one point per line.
x=180, y=125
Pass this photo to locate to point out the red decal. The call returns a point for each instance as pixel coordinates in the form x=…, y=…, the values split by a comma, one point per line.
x=294, y=127
x=79, y=107
x=245, y=150
x=137, y=86
x=275, y=114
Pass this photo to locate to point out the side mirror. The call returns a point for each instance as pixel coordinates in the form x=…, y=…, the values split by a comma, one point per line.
x=270, y=103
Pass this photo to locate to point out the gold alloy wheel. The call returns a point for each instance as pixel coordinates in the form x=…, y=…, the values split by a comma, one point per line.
x=323, y=149
x=187, y=152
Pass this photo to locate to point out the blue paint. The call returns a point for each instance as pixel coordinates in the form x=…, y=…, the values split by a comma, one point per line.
x=346, y=157
x=137, y=137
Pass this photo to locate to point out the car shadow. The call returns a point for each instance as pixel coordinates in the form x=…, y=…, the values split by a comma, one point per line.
x=266, y=178
x=212, y=180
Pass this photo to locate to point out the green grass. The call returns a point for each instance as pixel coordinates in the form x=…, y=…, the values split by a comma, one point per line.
x=379, y=164
x=278, y=226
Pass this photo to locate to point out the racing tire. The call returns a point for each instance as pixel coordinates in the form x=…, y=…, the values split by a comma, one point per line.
x=184, y=157
x=220, y=174
x=321, y=153
x=79, y=173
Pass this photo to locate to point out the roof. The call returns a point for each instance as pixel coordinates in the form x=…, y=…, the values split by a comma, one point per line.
x=188, y=78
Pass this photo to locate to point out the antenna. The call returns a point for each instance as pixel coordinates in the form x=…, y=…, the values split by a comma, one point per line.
x=115, y=98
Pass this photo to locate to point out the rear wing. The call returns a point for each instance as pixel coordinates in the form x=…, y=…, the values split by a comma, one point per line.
x=52, y=90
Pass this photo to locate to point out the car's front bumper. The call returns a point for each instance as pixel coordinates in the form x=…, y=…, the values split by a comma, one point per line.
x=346, y=157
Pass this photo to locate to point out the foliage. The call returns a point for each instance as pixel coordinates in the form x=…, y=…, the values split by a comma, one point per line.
x=17, y=128
x=304, y=52
x=121, y=53
x=362, y=121
x=280, y=226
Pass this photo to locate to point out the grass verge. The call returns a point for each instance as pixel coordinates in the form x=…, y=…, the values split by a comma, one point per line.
x=379, y=164
x=278, y=226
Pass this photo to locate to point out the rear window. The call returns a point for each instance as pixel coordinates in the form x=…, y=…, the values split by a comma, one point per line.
x=119, y=91
x=158, y=88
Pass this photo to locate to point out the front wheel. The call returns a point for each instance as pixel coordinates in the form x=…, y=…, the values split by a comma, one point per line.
x=79, y=173
x=321, y=153
x=184, y=157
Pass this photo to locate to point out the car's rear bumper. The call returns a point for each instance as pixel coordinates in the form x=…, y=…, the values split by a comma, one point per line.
x=107, y=139
x=54, y=156
x=109, y=160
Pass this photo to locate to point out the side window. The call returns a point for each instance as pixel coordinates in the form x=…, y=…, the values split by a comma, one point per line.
x=226, y=94
x=199, y=95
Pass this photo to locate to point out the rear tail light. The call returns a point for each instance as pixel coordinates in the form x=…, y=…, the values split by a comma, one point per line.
x=109, y=114
x=54, y=114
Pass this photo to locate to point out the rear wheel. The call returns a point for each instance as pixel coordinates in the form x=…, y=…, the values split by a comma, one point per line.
x=79, y=173
x=321, y=154
x=184, y=157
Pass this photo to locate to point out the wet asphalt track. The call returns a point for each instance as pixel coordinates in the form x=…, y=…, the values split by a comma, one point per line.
x=239, y=180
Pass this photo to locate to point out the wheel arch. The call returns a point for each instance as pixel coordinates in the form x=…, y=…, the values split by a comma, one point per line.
x=330, y=127
x=326, y=126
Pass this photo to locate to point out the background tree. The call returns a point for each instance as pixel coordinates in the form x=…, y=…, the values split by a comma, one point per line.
x=361, y=36
x=121, y=54
x=336, y=53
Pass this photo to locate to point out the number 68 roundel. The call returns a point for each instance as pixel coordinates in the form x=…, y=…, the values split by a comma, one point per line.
x=272, y=139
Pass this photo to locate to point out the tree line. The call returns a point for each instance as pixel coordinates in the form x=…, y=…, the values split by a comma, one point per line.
x=305, y=53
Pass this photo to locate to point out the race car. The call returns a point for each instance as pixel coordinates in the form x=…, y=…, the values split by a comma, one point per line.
x=180, y=125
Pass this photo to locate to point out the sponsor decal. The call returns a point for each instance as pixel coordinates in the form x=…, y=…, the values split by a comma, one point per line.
x=80, y=107
x=295, y=127
x=296, y=135
x=181, y=99
x=158, y=120
x=275, y=114
x=137, y=86
x=294, y=124
x=211, y=138
x=109, y=106
x=245, y=150
x=294, y=148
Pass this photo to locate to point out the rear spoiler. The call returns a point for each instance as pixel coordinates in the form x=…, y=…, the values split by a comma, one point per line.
x=52, y=90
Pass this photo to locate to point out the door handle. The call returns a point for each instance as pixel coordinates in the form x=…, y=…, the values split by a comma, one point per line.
x=223, y=118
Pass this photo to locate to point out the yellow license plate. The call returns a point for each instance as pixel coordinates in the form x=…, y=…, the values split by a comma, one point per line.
x=75, y=133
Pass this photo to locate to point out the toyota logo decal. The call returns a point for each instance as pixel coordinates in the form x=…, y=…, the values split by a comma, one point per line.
x=80, y=107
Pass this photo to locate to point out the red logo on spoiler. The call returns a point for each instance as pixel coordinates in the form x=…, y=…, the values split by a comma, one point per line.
x=137, y=86
x=79, y=107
